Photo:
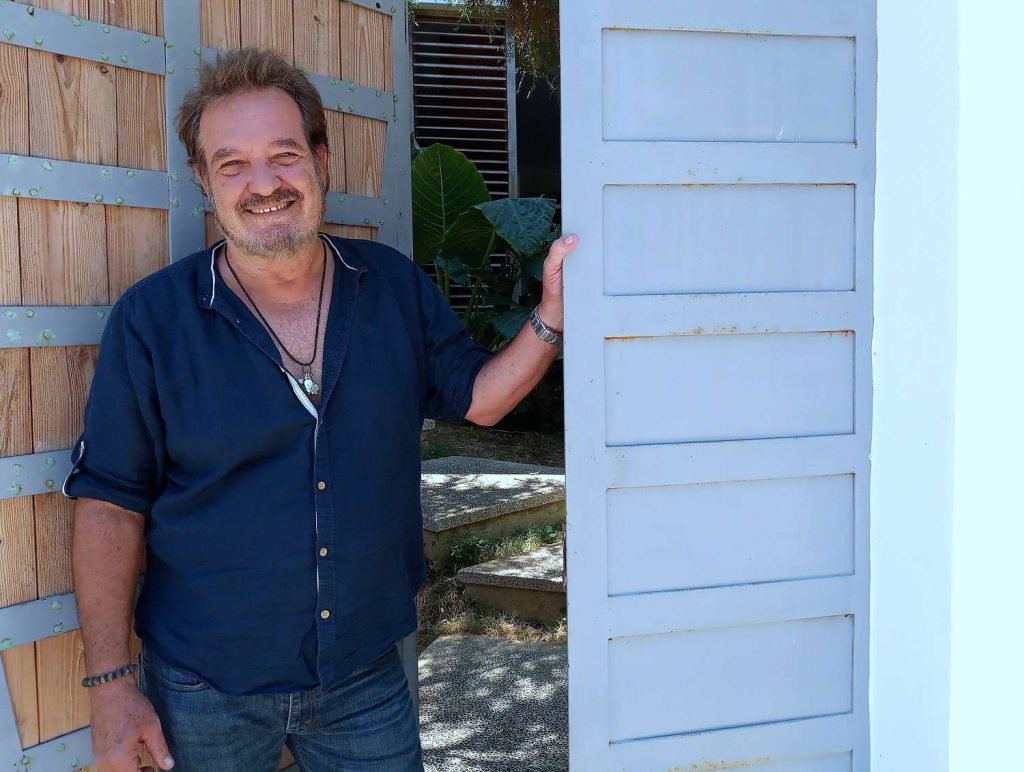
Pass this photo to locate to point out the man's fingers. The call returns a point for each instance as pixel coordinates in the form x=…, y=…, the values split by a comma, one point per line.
x=153, y=737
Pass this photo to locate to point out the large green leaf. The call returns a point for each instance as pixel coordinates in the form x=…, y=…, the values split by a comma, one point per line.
x=534, y=266
x=444, y=185
x=511, y=321
x=523, y=222
x=471, y=239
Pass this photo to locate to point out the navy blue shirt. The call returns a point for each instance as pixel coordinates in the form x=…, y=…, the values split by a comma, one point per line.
x=284, y=542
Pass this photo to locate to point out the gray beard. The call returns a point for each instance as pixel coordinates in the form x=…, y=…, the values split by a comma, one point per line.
x=281, y=246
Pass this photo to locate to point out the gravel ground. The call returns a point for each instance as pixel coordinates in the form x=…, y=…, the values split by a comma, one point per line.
x=491, y=705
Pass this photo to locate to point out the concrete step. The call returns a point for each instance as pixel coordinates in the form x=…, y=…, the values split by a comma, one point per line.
x=529, y=585
x=463, y=496
x=493, y=705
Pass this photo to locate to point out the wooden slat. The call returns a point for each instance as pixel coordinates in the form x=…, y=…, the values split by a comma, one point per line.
x=213, y=232
x=336, y=154
x=17, y=540
x=17, y=585
x=17, y=552
x=63, y=702
x=10, y=266
x=141, y=128
x=221, y=24
x=130, y=14
x=17, y=518
x=387, y=61
x=63, y=253
x=316, y=36
x=53, y=544
x=72, y=115
x=268, y=24
x=72, y=109
x=61, y=377
x=351, y=231
x=77, y=7
x=136, y=246
x=13, y=99
x=364, y=155
x=143, y=15
x=365, y=58
x=15, y=408
x=365, y=46
x=20, y=670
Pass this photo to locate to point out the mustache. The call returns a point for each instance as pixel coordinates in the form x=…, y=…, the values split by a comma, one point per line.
x=275, y=198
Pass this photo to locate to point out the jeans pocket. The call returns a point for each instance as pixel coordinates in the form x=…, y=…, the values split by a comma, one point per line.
x=169, y=677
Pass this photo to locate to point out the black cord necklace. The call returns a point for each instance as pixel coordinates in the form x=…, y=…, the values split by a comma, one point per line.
x=308, y=383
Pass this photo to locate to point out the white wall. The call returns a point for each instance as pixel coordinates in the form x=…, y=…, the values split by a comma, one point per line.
x=914, y=359
x=987, y=686
x=947, y=512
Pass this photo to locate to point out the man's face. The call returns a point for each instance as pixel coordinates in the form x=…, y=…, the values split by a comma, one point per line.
x=265, y=182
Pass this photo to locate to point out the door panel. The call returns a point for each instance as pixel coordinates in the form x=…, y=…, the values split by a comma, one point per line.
x=718, y=164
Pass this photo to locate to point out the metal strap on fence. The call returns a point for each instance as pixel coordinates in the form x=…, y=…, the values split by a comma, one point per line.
x=61, y=33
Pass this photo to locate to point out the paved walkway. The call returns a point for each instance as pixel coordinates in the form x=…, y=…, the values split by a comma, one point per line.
x=458, y=490
x=492, y=705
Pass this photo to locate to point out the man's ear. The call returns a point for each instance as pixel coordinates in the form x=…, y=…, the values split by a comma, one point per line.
x=322, y=152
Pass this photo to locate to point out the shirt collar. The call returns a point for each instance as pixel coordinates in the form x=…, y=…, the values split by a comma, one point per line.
x=209, y=286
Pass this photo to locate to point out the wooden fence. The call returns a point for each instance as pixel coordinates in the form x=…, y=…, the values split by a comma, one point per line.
x=95, y=83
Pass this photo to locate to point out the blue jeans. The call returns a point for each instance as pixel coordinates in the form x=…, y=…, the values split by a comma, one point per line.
x=366, y=722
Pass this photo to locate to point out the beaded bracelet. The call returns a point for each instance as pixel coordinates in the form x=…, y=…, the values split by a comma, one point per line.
x=102, y=679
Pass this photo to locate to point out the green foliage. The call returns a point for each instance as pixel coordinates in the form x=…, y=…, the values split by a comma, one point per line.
x=429, y=451
x=523, y=223
x=445, y=184
x=456, y=227
x=474, y=549
x=469, y=552
x=532, y=26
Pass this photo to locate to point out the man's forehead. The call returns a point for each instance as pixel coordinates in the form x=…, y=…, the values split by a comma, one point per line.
x=252, y=119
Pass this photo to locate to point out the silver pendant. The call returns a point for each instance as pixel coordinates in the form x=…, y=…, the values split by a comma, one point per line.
x=310, y=385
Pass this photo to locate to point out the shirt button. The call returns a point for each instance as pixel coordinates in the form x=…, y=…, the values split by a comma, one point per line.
x=321, y=485
x=323, y=552
x=325, y=614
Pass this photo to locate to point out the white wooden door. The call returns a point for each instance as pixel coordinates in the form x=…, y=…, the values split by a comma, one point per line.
x=718, y=164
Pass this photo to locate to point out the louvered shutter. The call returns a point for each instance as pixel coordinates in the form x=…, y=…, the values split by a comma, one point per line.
x=461, y=90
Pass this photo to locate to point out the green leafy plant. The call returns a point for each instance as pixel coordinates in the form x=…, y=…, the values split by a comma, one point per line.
x=457, y=227
x=469, y=551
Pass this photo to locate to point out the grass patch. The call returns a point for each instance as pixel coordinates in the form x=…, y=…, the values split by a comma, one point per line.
x=443, y=610
x=428, y=451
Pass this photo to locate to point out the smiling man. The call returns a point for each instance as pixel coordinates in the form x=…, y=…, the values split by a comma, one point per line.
x=254, y=425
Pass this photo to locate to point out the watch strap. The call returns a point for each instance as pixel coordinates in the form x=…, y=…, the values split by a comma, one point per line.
x=545, y=333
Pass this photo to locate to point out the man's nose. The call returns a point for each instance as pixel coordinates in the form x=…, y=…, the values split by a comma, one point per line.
x=263, y=180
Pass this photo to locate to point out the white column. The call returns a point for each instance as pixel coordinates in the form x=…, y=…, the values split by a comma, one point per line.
x=914, y=361
x=987, y=656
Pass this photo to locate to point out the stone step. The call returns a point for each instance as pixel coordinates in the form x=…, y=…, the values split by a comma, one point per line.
x=493, y=705
x=529, y=585
x=463, y=496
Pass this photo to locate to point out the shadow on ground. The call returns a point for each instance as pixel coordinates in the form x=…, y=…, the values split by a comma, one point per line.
x=493, y=705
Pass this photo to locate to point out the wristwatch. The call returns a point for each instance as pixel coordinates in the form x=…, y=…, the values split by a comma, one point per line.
x=545, y=333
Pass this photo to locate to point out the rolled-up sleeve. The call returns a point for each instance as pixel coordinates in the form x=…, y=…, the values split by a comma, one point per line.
x=119, y=456
x=453, y=357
